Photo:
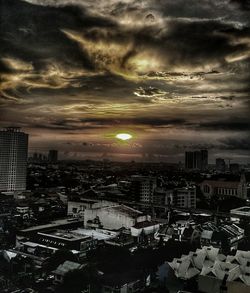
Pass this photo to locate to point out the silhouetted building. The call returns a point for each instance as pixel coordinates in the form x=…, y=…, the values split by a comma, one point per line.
x=204, y=159
x=196, y=160
x=234, y=168
x=220, y=165
x=53, y=156
x=13, y=159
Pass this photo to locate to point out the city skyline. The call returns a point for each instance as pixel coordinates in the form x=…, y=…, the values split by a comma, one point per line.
x=173, y=74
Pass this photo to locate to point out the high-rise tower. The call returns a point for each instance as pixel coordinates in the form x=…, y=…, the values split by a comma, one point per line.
x=13, y=159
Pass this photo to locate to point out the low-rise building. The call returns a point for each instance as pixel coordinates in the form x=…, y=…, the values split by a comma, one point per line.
x=148, y=228
x=64, y=268
x=223, y=236
x=214, y=270
x=225, y=187
x=220, y=188
x=115, y=217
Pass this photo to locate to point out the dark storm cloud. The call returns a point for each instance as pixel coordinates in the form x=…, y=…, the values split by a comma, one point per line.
x=234, y=124
x=243, y=4
x=89, y=123
x=239, y=143
x=162, y=67
x=32, y=33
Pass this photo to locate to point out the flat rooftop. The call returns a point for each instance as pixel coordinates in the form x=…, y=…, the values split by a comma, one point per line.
x=53, y=224
x=96, y=234
x=64, y=235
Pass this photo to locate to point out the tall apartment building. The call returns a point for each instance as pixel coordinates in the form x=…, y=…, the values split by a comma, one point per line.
x=184, y=197
x=53, y=156
x=13, y=159
x=196, y=160
x=142, y=188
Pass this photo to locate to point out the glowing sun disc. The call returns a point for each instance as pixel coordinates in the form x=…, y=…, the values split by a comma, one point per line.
x=124, y=136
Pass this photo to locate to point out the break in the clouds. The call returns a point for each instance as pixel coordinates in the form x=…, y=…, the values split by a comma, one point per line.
x=170, y=72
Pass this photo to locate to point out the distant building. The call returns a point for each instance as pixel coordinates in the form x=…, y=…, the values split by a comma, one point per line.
x=160, y=196
x=38, y=158
x=234, y=168
x=204, y=159
x=142, y=188
x=196, y=160
x=222, y=187
x=244, y=189
x=184, y=197
x=220, y=165
x=13, y=159
x=53, y=156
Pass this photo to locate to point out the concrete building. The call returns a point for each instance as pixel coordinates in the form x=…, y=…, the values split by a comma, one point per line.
x=13, y=159
x=147, y=228
x=142, y=188
x=114, y=217
x=63, y=239
x=184, y=197
x=77, y=207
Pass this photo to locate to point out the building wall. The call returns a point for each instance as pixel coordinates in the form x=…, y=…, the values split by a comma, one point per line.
x=142, y=188
x=111, y=219
x=185, y=197
x=76, y=208
x=135, y=232
x=210, y=189
x=209, y=284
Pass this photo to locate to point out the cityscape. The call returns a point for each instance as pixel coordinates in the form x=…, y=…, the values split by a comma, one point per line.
x=124, y=146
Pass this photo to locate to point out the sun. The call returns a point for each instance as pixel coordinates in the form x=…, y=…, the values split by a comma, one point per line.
x=124, y=136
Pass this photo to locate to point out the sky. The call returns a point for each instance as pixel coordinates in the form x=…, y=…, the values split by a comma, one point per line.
x=175, y=74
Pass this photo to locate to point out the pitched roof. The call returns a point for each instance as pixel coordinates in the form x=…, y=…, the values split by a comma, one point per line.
x=208, y=262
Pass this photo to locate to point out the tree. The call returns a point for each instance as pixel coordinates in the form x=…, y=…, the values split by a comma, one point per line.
x=59, y=257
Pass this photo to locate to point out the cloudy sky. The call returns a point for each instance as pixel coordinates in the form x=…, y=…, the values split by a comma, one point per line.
x=173, y=73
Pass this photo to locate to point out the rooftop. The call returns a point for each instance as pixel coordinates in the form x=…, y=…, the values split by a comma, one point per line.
x=66, y=267
x=96, y=234
x=62, y=234
x=242, y=210
x=208, y=261
x=125, y=210
x=145, y=224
